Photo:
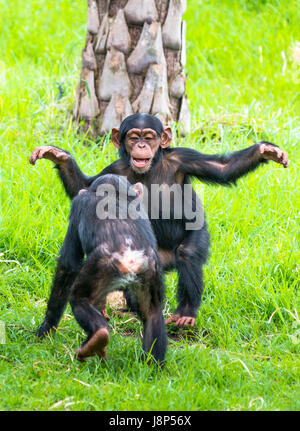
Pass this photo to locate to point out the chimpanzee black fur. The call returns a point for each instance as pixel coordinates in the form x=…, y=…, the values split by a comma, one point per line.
x=145, y=156
x=121, y=254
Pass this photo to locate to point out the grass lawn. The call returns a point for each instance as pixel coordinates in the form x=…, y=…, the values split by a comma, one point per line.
x=243, y=86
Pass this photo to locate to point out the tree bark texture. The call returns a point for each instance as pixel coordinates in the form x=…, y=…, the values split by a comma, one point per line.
x=133, y=61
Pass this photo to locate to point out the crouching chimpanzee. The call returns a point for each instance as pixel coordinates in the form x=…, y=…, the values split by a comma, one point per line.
x=146, y=156
x=109, y=226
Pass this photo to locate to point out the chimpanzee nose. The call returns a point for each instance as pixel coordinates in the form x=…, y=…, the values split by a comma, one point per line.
x=141, y=144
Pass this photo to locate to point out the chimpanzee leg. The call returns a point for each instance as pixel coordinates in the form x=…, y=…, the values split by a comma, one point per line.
x=58, y=300
x=91, y=287
x=130, y=301
x=155, y=335
x=190, y=256
x=69, y=262
x=149, y=296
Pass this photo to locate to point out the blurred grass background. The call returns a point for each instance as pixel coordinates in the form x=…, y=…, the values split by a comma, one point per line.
x=243, y=65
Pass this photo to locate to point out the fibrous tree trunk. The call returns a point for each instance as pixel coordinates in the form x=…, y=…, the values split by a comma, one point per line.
x=133, y=61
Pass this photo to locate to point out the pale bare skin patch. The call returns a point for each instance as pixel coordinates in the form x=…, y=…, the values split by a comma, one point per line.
x=132, y=261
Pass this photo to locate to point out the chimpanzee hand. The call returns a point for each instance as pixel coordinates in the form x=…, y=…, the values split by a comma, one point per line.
x=48, y=152
x=181, y=320
x=45, y=329
x=271, y=152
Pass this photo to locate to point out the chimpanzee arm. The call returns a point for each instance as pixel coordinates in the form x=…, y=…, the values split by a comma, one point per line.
x=69, y=172
x=226, y=169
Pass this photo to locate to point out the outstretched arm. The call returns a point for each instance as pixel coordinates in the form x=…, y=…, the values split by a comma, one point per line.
x=70, y=174
x=226, y=169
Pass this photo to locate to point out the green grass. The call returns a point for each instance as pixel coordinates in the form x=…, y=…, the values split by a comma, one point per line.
x=243, y=86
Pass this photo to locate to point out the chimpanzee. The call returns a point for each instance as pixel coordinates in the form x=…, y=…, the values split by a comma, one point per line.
x=146, y=156
x=121, y=253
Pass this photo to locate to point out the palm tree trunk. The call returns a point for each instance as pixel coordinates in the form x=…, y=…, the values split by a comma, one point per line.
x=133, y=61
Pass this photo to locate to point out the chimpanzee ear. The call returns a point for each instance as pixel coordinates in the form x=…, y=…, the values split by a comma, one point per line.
x=138, y=188
x=115, y=137
x=166, y=137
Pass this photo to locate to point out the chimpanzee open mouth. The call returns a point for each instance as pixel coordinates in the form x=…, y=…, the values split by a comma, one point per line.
x=140, y=163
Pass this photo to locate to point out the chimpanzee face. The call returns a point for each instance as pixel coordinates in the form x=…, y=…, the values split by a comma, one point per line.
x=141, y=145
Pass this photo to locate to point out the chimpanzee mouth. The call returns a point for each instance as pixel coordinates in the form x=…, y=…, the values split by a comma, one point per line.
x=140, y=163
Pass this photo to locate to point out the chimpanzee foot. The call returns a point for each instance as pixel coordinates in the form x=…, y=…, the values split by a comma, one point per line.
x=96, y=345
x=182, y=321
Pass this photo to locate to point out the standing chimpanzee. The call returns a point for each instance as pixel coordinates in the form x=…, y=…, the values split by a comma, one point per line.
x=121, y=253
x=146, y=156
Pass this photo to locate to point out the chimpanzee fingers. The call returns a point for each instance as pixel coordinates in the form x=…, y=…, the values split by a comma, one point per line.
x=192, y=322
x=285, y=160
x=185, y=321
x=281, y=157
x=270, y=152
x=52, y=154
x=278, y=155
x=39, y=153
x=182, y=321
x=172, y=318
x=47, y=152
x=34, y=155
